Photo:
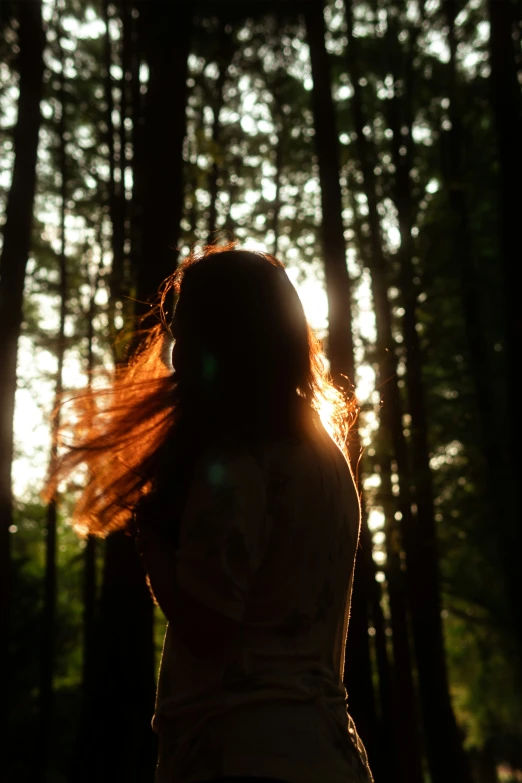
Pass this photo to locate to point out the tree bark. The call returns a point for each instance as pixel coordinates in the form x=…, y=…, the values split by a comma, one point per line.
x=507, y=110
x=406, y=734
x=117, y=741
x=89, y=558
x=47, y=700
x=116, y=188
x=15, y=251
x=165, y=29
x=384, y=749
x=338, y=286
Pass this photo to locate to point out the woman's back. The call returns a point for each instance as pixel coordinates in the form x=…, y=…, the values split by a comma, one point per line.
x=268, y=538
x=257, y=583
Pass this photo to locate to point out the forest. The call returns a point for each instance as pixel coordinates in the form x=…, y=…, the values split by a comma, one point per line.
x=375, y=148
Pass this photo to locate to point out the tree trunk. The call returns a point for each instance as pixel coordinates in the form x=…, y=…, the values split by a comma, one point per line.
x=115, y=188
x=385, y=764
x=83, y=764
x=165, y=29
x=338, y=286
x=340, y=346
x=128, y=673
x=17, y=241
x=47, y=705
x=491, y=421
x=507, y=109
x=89, y=559
x=117, y=742
x=406, y=732
x=138, y=162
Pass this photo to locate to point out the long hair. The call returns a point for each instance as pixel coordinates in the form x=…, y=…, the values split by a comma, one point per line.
x=237, y=358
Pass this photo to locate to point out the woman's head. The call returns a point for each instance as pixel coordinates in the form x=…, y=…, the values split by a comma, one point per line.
x=244, y=362
x=241, y=340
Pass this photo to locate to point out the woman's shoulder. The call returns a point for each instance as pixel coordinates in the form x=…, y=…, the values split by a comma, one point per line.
x=294, y=451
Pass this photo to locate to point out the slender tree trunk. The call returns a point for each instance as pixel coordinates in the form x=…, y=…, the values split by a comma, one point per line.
x=340, y=347
x=507, y=110
x=358, y=669
x=138, y=163
x=405, y=732
x=15, y=251
x=115, y=188
x=85, y=761
x=47, y=700
x=117, y=741
x=463, y=255
x=385, y=765
x=89, y=558
x=491, y=423
x=126, y=677
x=338, y=285
x=166, y=34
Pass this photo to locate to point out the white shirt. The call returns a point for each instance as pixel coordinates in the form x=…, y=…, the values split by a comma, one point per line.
x=268, y=537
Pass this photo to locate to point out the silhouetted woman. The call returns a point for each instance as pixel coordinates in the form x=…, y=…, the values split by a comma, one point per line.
x=248, y=522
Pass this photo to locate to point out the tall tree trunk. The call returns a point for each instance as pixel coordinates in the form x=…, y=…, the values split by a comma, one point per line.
x=126, y=676
x=492, y=425
x=340, y=347
x=507, y=109
x=117, y=742
x=338, y=285
x=385, y=766
x=85, y=762
x=125, y=306
x=17, y=241
x=166, y=34
x=47, y=701
x=89, y=558
x=138, y=162
x=406, y=734
x=115, y=188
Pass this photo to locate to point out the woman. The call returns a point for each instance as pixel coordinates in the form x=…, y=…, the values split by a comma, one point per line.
x=247, y=520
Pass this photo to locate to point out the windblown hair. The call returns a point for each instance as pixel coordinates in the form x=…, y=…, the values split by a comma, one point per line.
x=244, y=363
